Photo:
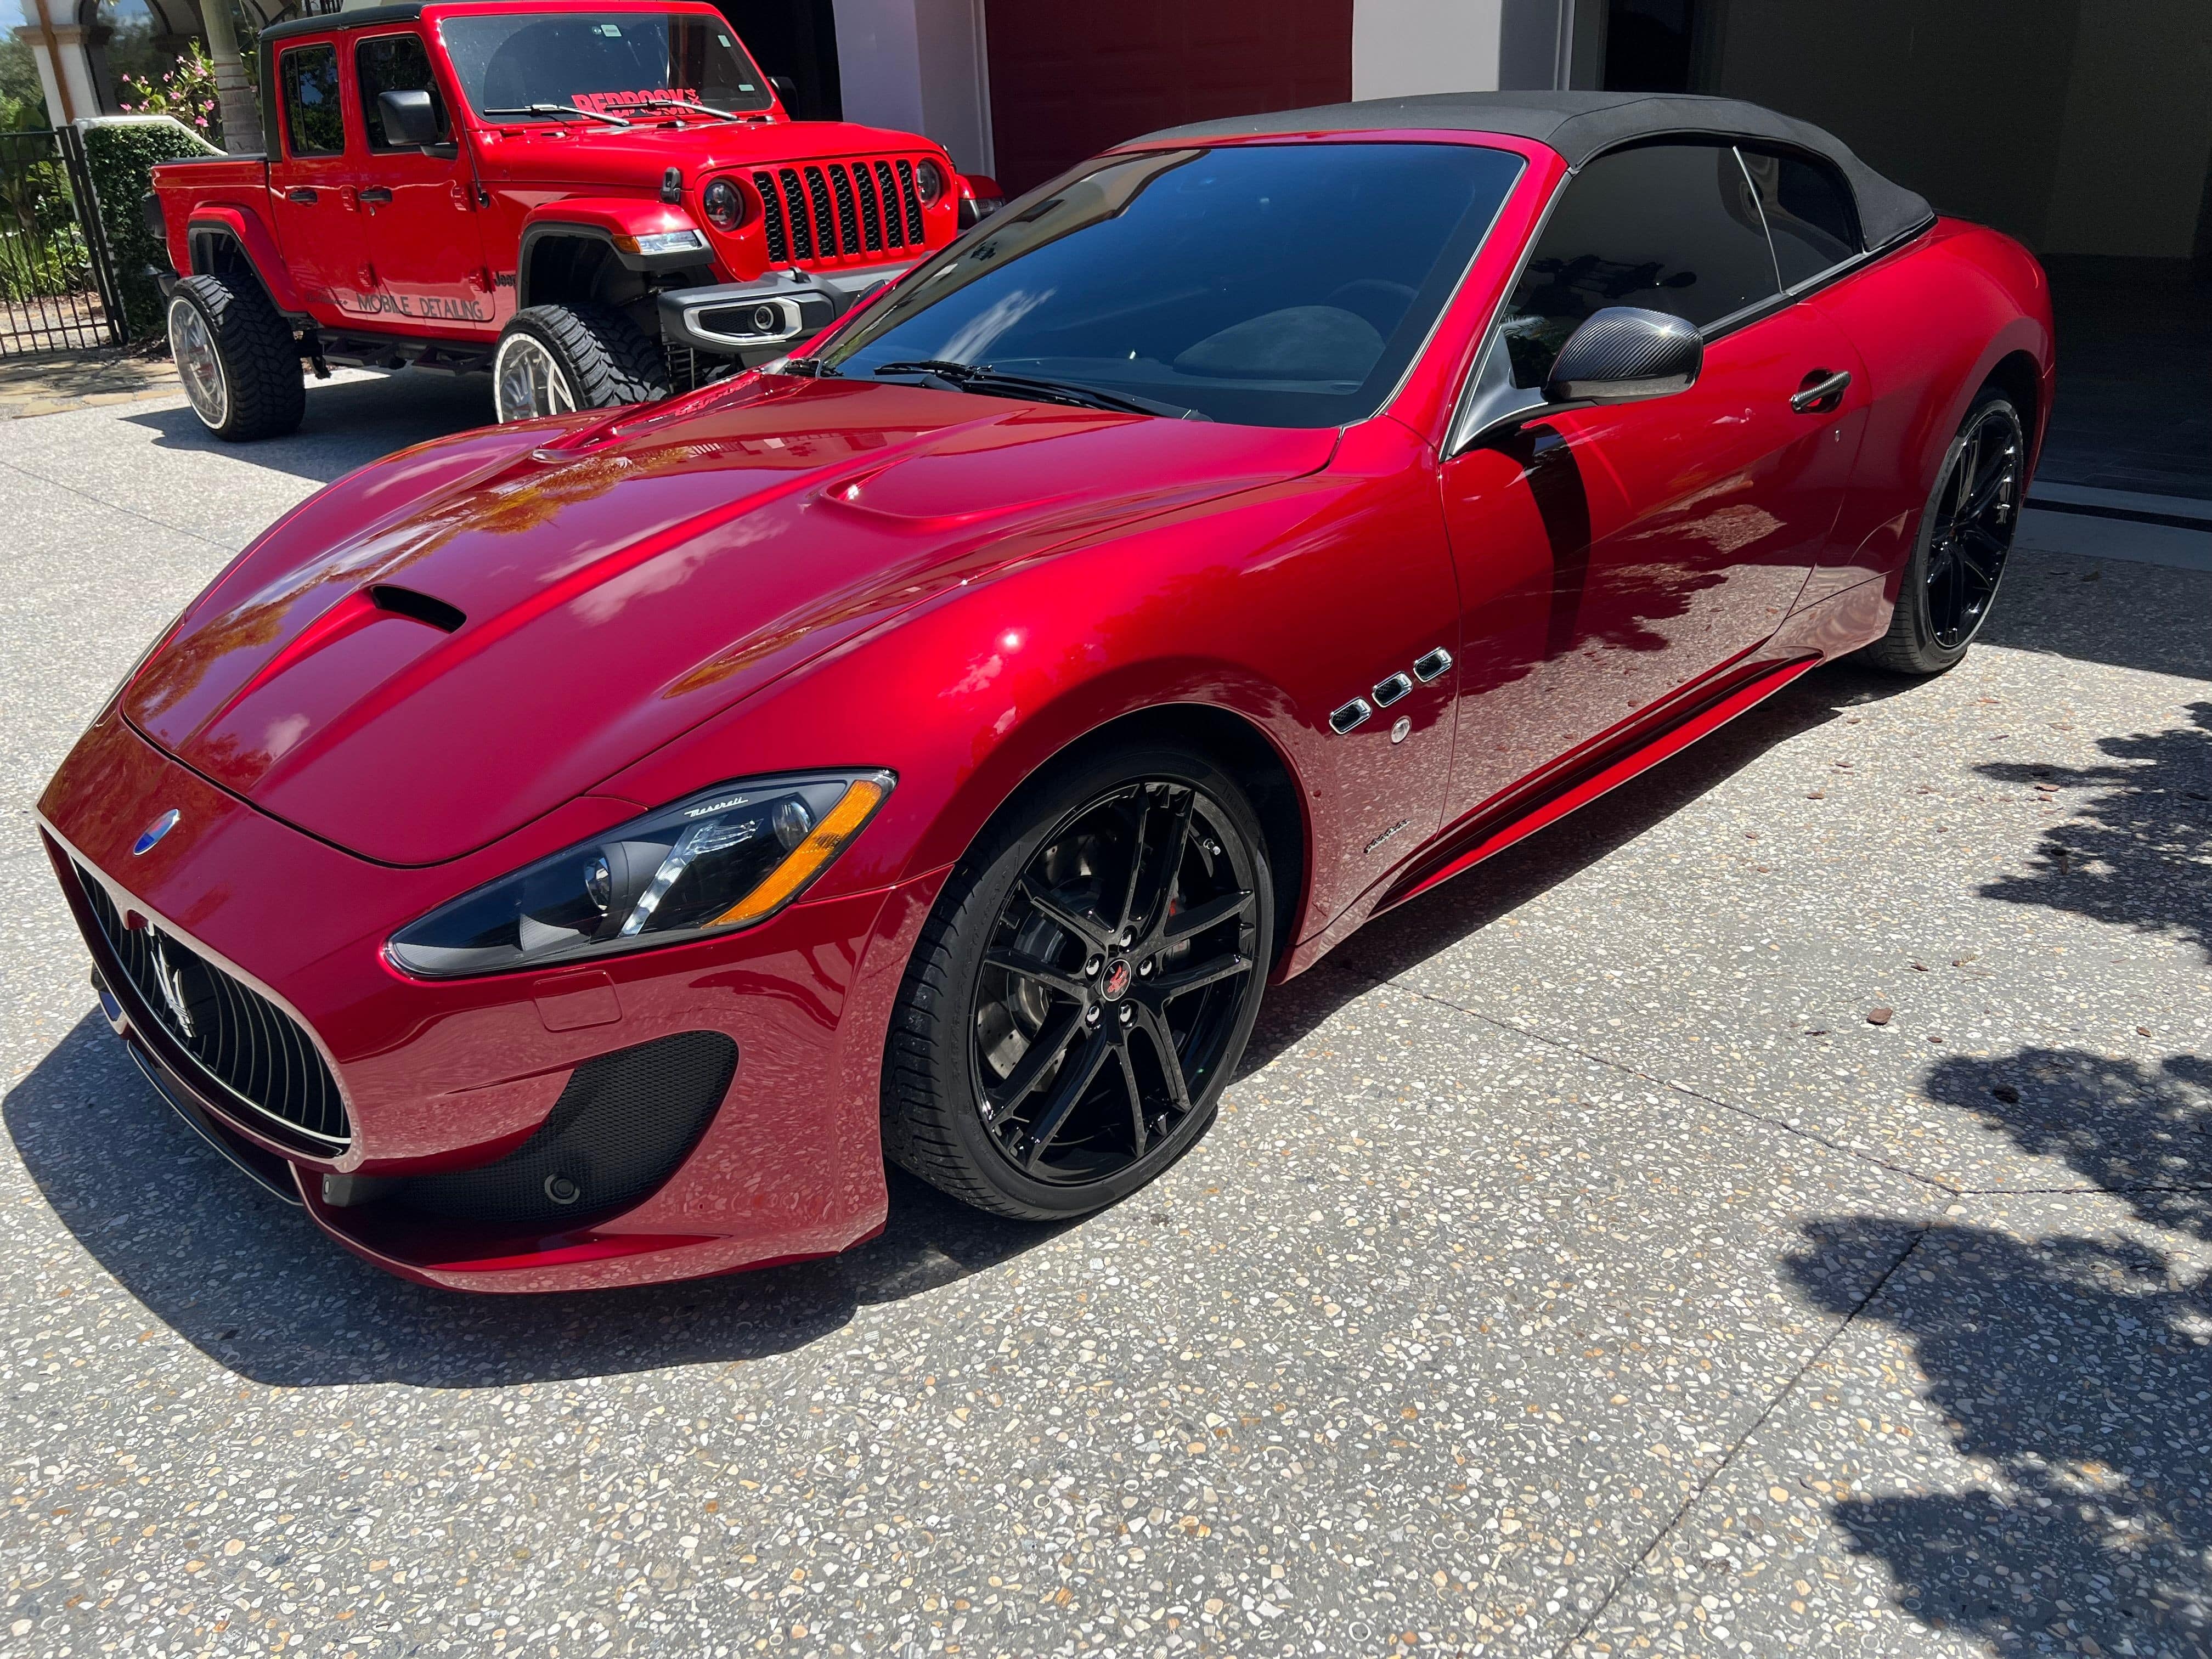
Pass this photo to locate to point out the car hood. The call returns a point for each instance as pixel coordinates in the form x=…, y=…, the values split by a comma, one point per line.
x=465, y=635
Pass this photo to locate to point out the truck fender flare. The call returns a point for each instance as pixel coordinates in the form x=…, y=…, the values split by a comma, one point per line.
x=607, y=220
x=254, y=243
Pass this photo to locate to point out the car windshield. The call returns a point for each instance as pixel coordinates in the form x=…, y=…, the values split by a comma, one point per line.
x=1264, y=284
x=608, y=61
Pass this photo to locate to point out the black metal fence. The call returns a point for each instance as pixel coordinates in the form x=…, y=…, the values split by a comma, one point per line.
x=57, y=282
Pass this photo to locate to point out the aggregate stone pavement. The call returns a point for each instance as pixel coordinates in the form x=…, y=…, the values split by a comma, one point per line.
x=1574, y=1268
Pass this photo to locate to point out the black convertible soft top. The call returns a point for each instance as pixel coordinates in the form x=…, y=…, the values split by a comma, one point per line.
x=1580, y=124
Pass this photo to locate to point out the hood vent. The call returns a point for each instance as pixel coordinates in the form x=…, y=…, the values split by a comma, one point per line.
x=406, y=602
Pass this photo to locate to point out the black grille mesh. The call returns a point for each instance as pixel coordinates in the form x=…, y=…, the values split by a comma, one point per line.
x=622, y=1125
x=255, y=1052
x=836, y=211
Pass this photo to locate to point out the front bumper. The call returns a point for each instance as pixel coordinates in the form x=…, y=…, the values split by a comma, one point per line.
x=456, y=1076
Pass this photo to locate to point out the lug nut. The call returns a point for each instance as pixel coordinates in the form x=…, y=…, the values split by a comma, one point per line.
x=1128, y=936
x=1093, y=966
x=1090, y=1015
x=1144, y=969
x=1127, y=1013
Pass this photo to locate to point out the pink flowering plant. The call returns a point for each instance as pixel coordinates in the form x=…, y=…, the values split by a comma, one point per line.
x=185, y=92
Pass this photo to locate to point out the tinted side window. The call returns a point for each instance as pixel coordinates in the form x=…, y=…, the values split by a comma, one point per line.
x=1808, y=214
x=1671, y=228
x=393, y=63
x=314, y=125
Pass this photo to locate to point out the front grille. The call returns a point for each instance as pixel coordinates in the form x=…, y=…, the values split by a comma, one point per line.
x=252, y=1050
x=825, y=213
x=623, y=1122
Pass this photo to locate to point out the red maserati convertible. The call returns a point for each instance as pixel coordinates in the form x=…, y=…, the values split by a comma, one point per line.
x=578, y=852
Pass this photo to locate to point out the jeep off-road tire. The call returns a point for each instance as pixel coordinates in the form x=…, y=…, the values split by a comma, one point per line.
x=1023, y=1070
x=1950, y=583
x=237, y=358
x=554, y=359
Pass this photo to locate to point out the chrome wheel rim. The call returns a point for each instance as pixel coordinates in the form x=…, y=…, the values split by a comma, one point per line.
x=1114, y=983
x=1977, y=511
x=192, y=342
x=528, y=382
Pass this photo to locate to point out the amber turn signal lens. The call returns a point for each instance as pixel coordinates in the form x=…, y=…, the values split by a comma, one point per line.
x=838, y=826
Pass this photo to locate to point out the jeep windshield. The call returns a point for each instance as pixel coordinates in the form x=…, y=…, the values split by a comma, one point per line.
x=614, y=62
x=1263, y=284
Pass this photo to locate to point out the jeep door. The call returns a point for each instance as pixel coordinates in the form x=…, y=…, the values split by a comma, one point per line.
x=310, y=177
x=423, y=250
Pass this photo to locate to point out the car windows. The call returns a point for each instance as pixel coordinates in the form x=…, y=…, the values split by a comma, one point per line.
x=1266, y=284
x=1671, y=228
x=393, y=63
x=314, y=124
x=1808, y=214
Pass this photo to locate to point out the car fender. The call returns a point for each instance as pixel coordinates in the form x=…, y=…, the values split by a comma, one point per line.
x=243, y=227
x=606, y=219
x=972, y=691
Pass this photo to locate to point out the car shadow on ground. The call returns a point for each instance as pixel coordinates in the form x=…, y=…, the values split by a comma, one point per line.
x=350, y=422
x=248, y=1280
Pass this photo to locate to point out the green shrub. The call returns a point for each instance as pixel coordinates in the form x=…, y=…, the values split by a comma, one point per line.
x=119, y=153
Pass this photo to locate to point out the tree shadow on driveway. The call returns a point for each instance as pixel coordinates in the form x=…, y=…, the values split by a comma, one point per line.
x=2139, y=854
x=2077, y=1374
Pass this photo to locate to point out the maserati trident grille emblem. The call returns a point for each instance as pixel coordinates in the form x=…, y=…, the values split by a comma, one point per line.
x=173, y=989
x=153, y=832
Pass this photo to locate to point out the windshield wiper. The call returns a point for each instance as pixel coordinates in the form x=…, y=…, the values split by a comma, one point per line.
x=555, y=110
x=981, y=377
x=687, y=104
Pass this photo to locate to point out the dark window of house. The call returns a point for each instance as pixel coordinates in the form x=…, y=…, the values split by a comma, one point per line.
x=1808, y=213
x=393, y=63
x=1670, y=228
x=314, y=125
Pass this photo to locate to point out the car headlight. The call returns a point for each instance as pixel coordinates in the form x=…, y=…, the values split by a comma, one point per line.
x=723, y=204
x=929, y=182
x=726, y=857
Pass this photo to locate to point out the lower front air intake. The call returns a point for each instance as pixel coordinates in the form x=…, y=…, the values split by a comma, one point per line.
x=622, y=1124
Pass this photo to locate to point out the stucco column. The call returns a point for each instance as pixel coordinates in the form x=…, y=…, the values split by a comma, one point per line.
x=65, y=74
x=919, y=66
x=241, y=112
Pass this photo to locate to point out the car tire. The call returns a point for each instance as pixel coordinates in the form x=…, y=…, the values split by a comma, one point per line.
x=553, y=359
x=237, y=358
x=970, y=1094
x=1950, y=583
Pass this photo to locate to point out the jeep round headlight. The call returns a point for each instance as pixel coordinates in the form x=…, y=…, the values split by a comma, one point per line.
x=929, y=183
x=725, y=859
x=725, y=204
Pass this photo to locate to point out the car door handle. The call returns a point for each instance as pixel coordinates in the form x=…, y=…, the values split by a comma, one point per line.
x=1821, y=396
x=299, y=193
x=377, y=195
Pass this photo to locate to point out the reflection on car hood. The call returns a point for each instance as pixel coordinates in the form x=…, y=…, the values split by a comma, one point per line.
x=465, y=635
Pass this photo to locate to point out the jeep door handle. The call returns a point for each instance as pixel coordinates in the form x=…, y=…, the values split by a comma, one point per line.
x=1821, y=396
x=299, y=193
x=377, y=195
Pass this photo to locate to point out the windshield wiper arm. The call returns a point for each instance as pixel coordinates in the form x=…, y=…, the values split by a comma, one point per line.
x=981, y=377
x=685, y=104
x=555, y=110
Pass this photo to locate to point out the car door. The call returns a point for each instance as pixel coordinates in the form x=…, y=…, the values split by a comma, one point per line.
x=310, y=179
x=1610, y=557
x=423, y=265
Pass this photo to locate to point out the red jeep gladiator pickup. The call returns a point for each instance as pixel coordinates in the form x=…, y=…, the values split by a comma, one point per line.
x=598, y=201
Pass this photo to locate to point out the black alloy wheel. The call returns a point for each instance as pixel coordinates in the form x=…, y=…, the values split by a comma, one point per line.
x=1979, y=505
x=1109, y=963
x=1965, y=536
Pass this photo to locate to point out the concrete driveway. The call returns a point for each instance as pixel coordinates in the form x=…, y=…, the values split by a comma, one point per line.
x=1576, y=1267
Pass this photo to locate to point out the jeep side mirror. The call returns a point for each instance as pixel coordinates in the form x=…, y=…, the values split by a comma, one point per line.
x=411, y=120
x=786, y=87
x=1623, y=354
